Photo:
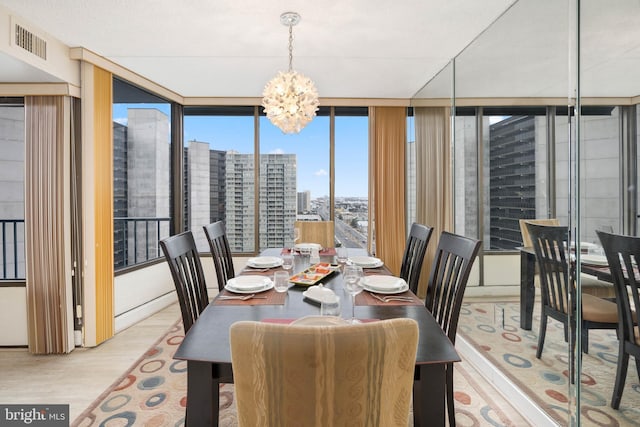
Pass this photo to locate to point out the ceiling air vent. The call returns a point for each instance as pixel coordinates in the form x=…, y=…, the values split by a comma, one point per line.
x=30, y=42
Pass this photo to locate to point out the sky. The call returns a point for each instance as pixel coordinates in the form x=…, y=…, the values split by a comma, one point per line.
x=311, y=146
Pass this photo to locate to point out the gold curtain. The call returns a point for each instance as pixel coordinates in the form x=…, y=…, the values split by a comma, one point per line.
x=434, y=206
x=47, y=305
x=387, y=183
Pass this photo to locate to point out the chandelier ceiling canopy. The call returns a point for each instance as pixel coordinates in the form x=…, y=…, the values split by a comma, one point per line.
x=290, y=99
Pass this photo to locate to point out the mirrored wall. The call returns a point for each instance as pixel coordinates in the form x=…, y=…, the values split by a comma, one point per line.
x=544, y=126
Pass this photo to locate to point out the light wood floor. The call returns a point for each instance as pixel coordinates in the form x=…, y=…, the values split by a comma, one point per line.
x=80, y=377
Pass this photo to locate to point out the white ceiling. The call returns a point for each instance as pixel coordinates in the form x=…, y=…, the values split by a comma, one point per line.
x=220, y=48
x=352, y=48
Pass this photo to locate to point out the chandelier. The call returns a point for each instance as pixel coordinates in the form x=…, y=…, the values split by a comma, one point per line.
x=290, y=99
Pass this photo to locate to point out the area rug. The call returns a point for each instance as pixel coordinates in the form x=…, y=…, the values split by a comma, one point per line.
x=493, y=329
x=153, y=393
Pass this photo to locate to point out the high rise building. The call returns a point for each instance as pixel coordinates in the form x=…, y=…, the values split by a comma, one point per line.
x=304, y=201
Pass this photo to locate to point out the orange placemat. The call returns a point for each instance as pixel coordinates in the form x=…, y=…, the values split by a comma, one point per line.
x=380, y=270
x=260, y=271
x=272, y=298
x=365, y=298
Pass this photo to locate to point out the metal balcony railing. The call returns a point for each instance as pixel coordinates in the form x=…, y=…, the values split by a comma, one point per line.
x=12, y=246
x=136, y=239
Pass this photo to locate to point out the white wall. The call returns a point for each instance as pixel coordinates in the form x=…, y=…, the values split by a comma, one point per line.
x=13, y=312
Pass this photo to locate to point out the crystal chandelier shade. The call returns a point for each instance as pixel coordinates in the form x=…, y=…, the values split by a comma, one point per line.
x=290, y=99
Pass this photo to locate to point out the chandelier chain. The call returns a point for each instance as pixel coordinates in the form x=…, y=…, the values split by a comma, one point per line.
x=290, y=47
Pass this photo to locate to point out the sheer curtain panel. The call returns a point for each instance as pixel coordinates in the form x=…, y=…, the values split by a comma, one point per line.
x=433, y=178
x=48, y=309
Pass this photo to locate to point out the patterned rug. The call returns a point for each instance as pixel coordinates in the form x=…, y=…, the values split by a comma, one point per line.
x=545, y=380
x=153, y=393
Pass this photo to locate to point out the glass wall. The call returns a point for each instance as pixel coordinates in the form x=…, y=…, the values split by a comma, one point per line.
x=141, y=173
x=219, y=173
x=294, y=178
x=12, y=156
x=351, y=176
x=293, y=175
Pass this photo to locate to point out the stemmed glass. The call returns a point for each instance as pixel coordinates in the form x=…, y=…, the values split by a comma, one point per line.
x=353, y=284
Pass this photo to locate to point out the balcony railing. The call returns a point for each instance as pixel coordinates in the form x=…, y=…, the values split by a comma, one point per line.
x=136, y=239
x=12, y=246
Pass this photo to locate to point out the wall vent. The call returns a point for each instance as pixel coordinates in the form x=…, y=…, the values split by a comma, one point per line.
x=30, y=42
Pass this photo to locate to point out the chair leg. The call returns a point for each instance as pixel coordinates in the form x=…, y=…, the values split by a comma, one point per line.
x=585, y=340
x=621, y=376
x=451, y=409
x=541, y=335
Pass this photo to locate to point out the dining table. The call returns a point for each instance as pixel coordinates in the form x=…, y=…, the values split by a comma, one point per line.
x=206, y=347
x=527, y=282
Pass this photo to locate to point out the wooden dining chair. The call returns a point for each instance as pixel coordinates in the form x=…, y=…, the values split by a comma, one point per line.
x=220, y=252
x=623, y=253
x=321, y=232
x=287, y=375
x=184, y=263
x=450, y=271
x=413, y=256
x=558, y=290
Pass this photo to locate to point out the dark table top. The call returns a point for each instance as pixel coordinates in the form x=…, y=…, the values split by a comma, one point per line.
x=208, y=338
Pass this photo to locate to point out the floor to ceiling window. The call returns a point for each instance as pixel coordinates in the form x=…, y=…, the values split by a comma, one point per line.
x=141, y=173
x=219, y=173
x=294, y=178
x=12, y=156
x=351, y=176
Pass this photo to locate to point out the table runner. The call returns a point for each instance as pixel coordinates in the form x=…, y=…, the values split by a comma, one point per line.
x=272, y=298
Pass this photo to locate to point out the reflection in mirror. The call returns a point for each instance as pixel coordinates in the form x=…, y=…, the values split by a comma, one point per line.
x=514, y=140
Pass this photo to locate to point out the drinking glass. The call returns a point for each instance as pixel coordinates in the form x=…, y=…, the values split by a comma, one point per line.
x=353, y=285
x=287, y=262
x=342, y=255
x=281, y=281
x=330, y=306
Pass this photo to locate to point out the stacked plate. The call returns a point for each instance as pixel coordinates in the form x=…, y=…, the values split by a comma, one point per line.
x=264, y=262
x=366, y=261
x=307, y=246
x=384, y=284
x=249, y=284
x=599, y=260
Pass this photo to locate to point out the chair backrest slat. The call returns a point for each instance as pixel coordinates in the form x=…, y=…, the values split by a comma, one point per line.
x=557, y=279
x=413, y=256
x=448, y=279
x=623, y=255
x=186, y=270
x=221, y=252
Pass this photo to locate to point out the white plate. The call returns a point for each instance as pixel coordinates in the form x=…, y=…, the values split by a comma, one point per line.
x=309, y=246
x=594, y=259
x=384, y=283
x=264, y=262
x=320, y=321
x=249, y=284
x=585, y=245
x=403, y=288
x=366, y=261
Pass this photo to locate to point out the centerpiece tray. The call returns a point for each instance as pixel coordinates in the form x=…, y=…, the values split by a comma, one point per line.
x=313, y=274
